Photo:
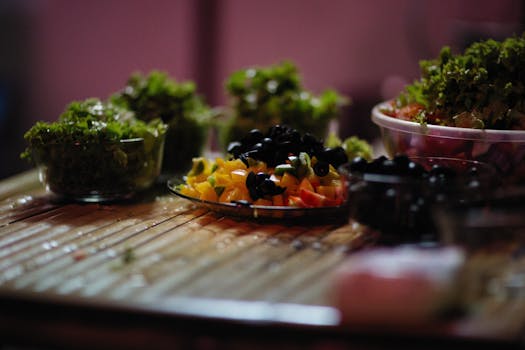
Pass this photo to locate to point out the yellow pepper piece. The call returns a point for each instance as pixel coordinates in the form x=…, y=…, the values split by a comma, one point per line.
x=206, y=191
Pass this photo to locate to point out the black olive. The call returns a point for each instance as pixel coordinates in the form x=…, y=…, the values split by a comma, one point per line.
x=268, y=145
x=286, y=145
x=267, y=186
x=260, y=177
x=380, y=159
x=255, y=154
x=473, y=184
x=358, y=165
x=295, y=136
x=391, y=193
x=340, y=157
x=473, y=171
x=388, y=167
x=276, y=130
x=244, y=159
x=279, y=190
x=321, y=168
x=441, y=170
x=251, y=180
x=438, y=180
x=309, y=139
x=254, y=194
x=401, y=160
x=335, y=156
x=254, y=136
x=234, y=148
x=415, y=169
x=376, y=165
x=257, y=147
x=280, y=157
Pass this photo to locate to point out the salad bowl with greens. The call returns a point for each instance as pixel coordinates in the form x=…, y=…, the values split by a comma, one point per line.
x=469, y=106
x=96, y=152
x=261, y=97
x=177, y=104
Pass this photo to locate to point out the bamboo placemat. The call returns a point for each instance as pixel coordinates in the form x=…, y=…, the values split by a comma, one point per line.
x=163, y=254
x=163, y=249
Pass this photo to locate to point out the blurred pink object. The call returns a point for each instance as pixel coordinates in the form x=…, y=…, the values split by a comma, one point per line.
x=396, y=286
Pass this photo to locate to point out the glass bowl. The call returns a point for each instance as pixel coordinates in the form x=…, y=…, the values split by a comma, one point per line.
x=401, y=207
x=505, y=149
x=100, y=171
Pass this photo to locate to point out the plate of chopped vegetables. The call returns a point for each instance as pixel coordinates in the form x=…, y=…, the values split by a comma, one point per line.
x=278, y=174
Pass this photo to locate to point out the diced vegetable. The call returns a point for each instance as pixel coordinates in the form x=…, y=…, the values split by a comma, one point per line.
x=231, y=181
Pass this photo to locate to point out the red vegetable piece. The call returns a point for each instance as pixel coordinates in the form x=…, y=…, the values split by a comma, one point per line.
x=295, y=201
x=312, y=199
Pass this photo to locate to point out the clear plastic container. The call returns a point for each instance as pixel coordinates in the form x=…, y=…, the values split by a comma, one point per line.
x=504, y=149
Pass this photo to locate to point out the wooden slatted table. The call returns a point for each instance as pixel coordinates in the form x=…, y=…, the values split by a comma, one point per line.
x=159, y=269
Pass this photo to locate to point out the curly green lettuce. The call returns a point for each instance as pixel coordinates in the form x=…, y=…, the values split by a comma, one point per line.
x=484, y=87
x=157, y=95
x=266, y=96
x=96, y=147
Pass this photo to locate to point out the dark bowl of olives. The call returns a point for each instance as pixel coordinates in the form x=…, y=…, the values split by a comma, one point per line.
x=398, y=196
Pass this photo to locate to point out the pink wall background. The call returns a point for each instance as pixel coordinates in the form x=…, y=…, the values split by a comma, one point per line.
x=88, y=48
x=365, y=49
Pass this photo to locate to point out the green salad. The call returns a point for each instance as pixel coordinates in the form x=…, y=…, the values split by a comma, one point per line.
x=156, y=95
x=96, y=150
x=484, y=88
x=265, y=96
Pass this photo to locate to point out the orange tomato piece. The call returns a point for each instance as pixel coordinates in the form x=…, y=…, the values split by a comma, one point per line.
x=290, y=182
x=278, y=200
x=312, y=199
x=296, y=201
x=327, y=191
x=238, y=176
x=306, y=184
